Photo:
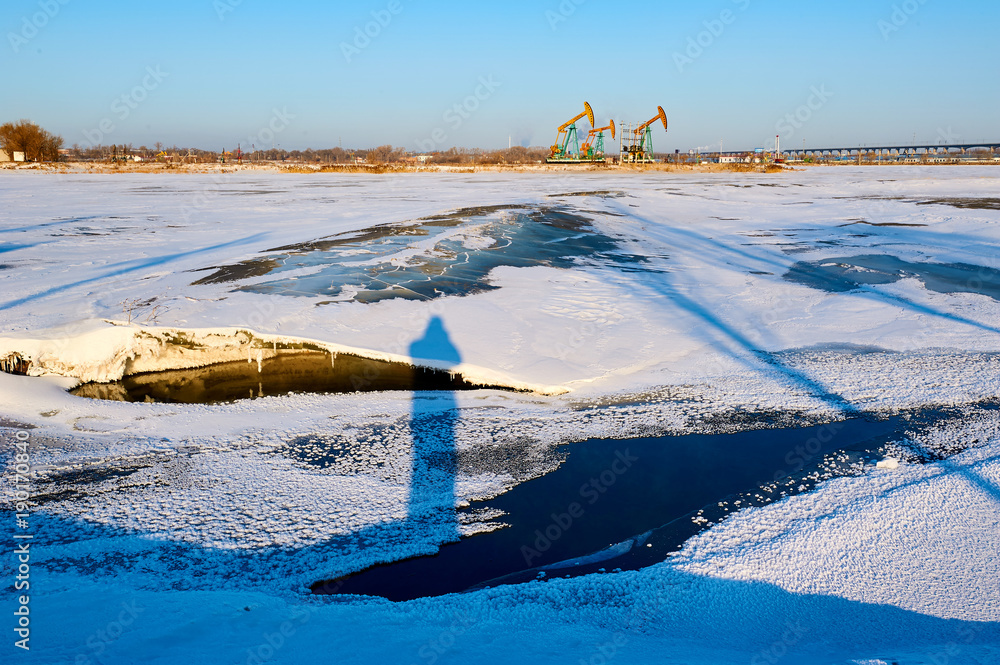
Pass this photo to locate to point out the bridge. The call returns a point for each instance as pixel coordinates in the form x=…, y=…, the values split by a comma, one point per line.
x=897, y=151
x=963, y=151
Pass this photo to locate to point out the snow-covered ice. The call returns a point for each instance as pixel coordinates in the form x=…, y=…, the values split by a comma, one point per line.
x=660, y=303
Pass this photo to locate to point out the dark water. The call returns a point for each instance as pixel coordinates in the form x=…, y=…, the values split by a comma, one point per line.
x=285, y=372
x=601, y=193
x=627, y=504
x=381, y=262
x=846, y=274
x=967, y=203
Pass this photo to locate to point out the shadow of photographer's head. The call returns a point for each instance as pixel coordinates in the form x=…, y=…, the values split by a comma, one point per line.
x=435, y=345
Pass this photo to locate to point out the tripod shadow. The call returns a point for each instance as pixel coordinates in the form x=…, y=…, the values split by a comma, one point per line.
x=433, y=418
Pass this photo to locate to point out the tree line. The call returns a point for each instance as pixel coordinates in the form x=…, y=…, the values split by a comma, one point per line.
x=25, y=136
x=38, y=144
x=385, y=154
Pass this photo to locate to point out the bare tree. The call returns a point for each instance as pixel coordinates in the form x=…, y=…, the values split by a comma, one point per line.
x=380, y=155
x=27, y=137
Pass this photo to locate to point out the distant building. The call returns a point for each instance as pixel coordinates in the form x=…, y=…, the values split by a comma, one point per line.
x=18, y=156
x=4, y=157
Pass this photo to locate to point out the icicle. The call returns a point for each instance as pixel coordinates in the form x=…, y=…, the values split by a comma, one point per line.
x=249, y=355
x=333, y=360
x=260, y=360
x=14, y=364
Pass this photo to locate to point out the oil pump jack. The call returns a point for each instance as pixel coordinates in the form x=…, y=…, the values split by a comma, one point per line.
x=637, y=144
x=567, y=145
x=593, y=148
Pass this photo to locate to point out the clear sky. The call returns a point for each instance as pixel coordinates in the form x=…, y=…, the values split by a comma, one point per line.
x=303, y=73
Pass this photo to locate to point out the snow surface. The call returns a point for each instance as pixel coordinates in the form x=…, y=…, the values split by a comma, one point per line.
x=195, y=513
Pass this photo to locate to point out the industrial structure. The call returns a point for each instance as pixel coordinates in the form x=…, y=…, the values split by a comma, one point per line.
x=593, y=149
x=567, y=145
x=637, y=143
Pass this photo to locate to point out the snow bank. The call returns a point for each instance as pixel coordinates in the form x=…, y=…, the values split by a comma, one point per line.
x=922, y=537
x=108, y=352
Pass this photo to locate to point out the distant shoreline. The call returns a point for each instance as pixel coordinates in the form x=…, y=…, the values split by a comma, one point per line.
x=381, y=169
x=367, y=169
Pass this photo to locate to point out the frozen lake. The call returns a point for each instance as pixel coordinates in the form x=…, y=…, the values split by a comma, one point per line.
x=804, y=365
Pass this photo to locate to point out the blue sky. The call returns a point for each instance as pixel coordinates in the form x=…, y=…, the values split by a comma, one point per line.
x=212, y=73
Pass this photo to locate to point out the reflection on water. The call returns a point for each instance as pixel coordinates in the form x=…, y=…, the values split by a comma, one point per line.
x=283, y=372
x=447, y=254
